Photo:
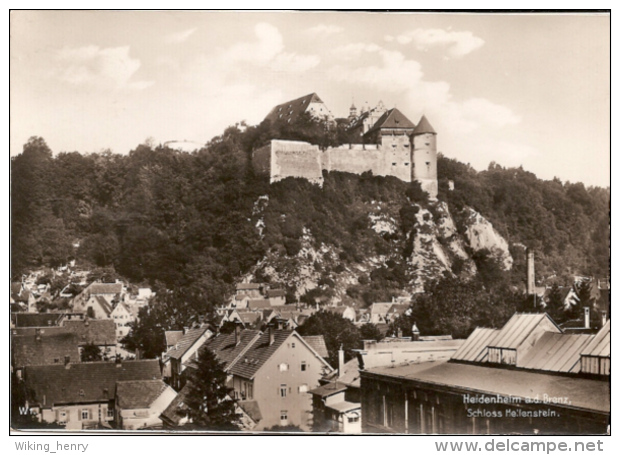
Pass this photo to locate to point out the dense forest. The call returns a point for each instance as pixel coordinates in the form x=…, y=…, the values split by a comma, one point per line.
x=176, y=220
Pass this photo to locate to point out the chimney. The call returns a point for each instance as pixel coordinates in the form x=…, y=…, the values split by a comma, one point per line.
x=586, y=317
x=67, y=362
x=530, y=278
x=237, y=333
x=603, y=317
x=340, y=362
x=272, y=336
x=415, y=333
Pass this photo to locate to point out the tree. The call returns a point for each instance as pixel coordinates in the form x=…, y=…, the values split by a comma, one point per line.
x=284, y=429
x=209, y=402
x=555, y=304
x=370, y=331
x=91, y=353
x=337, y=332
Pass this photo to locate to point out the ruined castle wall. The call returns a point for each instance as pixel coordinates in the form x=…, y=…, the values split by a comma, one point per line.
x=295, y=159
x=355, y=160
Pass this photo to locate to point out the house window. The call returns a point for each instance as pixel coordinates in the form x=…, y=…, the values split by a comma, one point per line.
x=284, y=367
x=84, y=414
x=81, y=392
x=304, y=365
x=283, y=390
x=249, y=390
x=283, y=417
x=110, y=413
x=353, y=419
x=293, y=345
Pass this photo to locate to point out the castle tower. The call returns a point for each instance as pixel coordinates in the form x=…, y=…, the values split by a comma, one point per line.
x=352, y=112
x=425, y=157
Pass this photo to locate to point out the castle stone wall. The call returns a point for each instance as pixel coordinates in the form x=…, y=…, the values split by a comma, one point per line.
x=295, y=159
x=355, y=160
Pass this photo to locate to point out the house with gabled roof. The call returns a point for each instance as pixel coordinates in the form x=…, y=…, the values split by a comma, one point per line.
x=140, y=403
x=275, y=373
x=112, y=293
x=291, y=111
x=122, y=317
x=43, y=349
x=81, y=395
x=185, y=349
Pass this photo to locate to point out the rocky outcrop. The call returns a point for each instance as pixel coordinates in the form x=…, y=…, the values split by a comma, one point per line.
x=480, y=234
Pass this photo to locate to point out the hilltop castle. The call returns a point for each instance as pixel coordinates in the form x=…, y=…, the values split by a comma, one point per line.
x=386, y=143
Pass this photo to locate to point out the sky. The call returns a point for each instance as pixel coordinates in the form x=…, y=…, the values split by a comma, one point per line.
x=529, y=90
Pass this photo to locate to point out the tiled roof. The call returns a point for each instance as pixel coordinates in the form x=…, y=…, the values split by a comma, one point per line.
x=85, y=382
x=139, y=394
x=317, y=342
x=186, y=342
x=103, y=303
x=225, y=348
x=424, y=127
x=36, y=319
x=329, y=389
x=176, y=410
x=247, y=286
x=249, y=318
x=291, y=110
x=241, y=296
x=601, y=343
x=96, y=331
x=258, y=353
x=380, y=308
x=48, y=350
x=392, y=119
x=173, y=336
x=256, y=304
x=276, y=293
x=252, y=409
x=556, y=352
x=351, y=375
x=105, y=288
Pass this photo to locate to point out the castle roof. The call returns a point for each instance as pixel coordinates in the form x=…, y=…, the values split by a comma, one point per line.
x=392, y=119
x=424, y=127
x=292, y=110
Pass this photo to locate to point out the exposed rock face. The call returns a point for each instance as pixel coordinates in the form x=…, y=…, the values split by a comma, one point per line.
x=481, y=234
x=435, y=245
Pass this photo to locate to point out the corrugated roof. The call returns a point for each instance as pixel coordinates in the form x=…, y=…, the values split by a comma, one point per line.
x=139, y=394
x=258, y=353
x=85, y=382
x=600, y=346
x=584, y=394
x=475, y=347
x=517, y=329
x=556, y=352
x=424, y=126
x=392, y=119
x=49, y=350
x=317, y=342
x=186, y=342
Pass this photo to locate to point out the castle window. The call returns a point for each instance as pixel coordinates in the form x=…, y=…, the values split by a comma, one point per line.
x=406, y=145
x=406, y=164
x=393, y=164
x=427, y=143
